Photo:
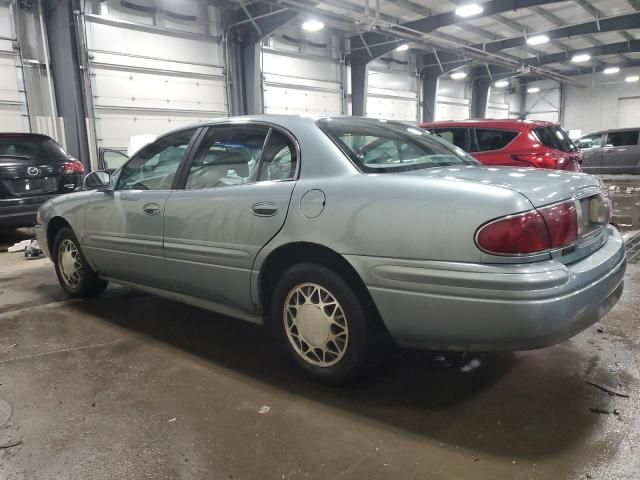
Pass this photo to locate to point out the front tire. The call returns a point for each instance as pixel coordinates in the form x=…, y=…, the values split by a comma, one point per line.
x=328, y=329
x=75, y=275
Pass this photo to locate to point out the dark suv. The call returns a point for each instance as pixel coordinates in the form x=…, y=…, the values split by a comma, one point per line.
x=33, y=168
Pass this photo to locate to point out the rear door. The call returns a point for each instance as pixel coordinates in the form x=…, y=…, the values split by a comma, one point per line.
x=488, y=145
x=236, y=195
x=591, y=147
x=621, y=152
x=31, y=166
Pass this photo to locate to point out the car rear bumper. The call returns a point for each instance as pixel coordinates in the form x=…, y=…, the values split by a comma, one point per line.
x=458, y=306
x=20, y=212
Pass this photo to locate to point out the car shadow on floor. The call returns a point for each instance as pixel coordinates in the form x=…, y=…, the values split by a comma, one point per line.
x=527, y=405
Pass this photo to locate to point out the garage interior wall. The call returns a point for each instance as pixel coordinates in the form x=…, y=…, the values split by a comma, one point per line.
x=392, y=91
x=545, y=104
x=153, y=71
x=302, y=73
x=616, y=102
x=27, y=101
x=453, y=100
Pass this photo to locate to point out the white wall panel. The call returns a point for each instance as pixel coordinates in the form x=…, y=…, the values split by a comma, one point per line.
x=628, y=112
x=12, y=105
x=452, y=101
x=392, y=95
x=544, y=105
x=296, y=85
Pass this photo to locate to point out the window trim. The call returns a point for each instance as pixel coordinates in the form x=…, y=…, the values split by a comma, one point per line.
x=184, y=173
x=477, y=143
x=194, y=137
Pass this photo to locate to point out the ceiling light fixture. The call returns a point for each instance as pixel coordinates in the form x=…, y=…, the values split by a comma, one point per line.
x=313, y=25
x=458, y=75
x=502, y=83
x=402, y=48
x=610, y=70
x=583, y=57
x=632, y=78
x=469, y=10
x=537, y=39
x=533, y=90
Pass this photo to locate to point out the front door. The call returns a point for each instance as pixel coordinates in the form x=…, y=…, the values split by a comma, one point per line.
x=621, y=152
x=124, y=226
x=235, y=199
x=591, y=146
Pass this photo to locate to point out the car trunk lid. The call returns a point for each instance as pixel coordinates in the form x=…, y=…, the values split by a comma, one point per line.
x=22, y=176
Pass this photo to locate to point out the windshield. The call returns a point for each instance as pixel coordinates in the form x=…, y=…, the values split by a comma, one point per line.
x=23, y=146
x=380, y=146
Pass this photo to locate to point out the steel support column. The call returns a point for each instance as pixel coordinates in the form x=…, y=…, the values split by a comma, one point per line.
x=429, y=79
x=67, y=77
x=359, y=81
x=480, y=91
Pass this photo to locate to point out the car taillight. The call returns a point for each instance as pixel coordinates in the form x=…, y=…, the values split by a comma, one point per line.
x=539, y=160
x=72, y=167
x=530, y=232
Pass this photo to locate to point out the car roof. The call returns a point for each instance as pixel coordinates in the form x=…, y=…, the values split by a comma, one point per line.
x=489, y=122
x=23, y=135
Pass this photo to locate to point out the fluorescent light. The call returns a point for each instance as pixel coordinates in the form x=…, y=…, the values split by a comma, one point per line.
x=402, y=48
x=533, y=90
x=502, y=83
x=610, y=70
x=458, y=75
x=583, y=57
x=632, y=78
x=537, y=39
x=469, y=10
x=313, y=25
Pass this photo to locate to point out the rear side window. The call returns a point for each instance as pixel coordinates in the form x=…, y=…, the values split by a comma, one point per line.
x=554, y=137
x=457, y=136
x=622, y=139
x=493, y=139
x=31, y=147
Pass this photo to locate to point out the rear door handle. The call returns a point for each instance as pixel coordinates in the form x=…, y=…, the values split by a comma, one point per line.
x=264, y=209
x=151, y=209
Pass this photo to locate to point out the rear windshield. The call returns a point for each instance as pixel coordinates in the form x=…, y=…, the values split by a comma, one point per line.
x=555, y=137
x=381, y=146
x=31, y=147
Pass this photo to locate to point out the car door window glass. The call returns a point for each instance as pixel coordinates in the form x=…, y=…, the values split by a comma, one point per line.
x=113, y=159
x=278, y=160
x=457, y=136
x=623, y=139
x=228, y=155
x=489, y=140
x=590, y=141
x=155, y=166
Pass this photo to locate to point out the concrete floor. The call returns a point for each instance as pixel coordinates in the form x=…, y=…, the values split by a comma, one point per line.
x=130, y=386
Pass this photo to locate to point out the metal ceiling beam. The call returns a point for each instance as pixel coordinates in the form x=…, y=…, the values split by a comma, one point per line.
x=611, y=24
x=429, y=24
x=599, y=69
x=606, y=49
x=590, y=9
x=260, y=20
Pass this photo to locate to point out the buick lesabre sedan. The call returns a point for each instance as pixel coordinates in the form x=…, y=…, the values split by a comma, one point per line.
x=339, y=233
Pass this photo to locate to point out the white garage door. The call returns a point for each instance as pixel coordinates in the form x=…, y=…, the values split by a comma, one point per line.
x=13, y=108
x=628, y=112
x=392, y=95
x=149, y=80
x=449, y=108
x=296, y=85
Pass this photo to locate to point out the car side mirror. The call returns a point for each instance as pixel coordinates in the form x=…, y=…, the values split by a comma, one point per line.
x=98, y=180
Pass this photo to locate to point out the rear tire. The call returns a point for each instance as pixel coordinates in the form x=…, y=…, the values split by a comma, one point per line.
x=75, y=275
x=329, y=330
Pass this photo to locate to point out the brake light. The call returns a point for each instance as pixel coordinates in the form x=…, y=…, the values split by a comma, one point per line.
x=530, y=232
x=72, y=167
x=539, y=160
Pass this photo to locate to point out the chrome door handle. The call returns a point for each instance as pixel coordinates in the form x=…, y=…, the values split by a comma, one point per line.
x=151, y=209
x=264, y=209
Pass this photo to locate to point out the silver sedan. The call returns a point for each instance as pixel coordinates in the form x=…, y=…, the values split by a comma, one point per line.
x=341, y=233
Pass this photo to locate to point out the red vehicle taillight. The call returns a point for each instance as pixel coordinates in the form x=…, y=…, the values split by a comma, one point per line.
x=539, y=160
x=72, y=167
x=530, y=232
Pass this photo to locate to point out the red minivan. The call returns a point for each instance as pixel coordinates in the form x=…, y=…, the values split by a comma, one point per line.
x=515, y=143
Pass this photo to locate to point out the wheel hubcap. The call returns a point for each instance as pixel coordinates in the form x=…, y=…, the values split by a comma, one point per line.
x=69, y=263
x=316, y=325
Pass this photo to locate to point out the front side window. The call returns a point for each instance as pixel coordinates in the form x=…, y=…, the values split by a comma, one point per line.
x=623, y=139
x=489, y=140
x=154, y=167
x=377, y=146
x=590, y=141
